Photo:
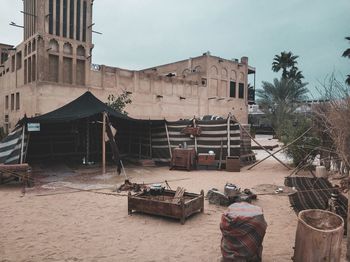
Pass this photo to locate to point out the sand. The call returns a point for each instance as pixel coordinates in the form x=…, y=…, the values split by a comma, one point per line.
x=63, y=224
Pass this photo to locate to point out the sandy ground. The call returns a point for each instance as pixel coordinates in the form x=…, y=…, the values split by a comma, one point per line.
x=55, y=223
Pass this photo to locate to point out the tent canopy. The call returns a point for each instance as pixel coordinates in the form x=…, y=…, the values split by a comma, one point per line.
x=84, y=106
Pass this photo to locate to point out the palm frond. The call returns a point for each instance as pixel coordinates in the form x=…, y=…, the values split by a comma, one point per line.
x=346, y=53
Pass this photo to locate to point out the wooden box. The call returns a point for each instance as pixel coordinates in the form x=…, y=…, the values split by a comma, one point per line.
x=163, y=205
x=206, y=159
x=183, y=158
x=233, y=164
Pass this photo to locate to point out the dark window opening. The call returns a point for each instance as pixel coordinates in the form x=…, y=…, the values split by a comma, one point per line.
x=6, y=102
x=58, y=15
x=50, y=16
x=18, y=60
x=241, y=90
x=13, y=63
x=12, y=101
x=71, y=19
x=25, y=71
x=84, y=20
x=64, y=30
x=78, y=21
x=17, y=101
x=29, y=69
x=232, y=89
x=33, y=68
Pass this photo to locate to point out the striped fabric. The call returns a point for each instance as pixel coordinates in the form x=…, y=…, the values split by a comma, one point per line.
x=213, y=134
x=243, y=229
x=314, y=193
x=10, y=147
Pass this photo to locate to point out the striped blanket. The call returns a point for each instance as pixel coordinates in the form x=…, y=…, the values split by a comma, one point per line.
x=313, y=193
x=243, y=229
x=11, y=146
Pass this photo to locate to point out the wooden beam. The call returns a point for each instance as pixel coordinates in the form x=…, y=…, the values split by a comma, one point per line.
x=167, y=135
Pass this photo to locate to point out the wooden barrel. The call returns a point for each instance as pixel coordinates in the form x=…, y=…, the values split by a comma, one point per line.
x=318, y=236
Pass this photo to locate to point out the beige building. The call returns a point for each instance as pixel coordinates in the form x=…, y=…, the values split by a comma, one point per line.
x=52, y=66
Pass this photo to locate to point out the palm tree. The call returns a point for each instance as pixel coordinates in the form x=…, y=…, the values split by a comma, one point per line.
x=295, y=75
x=278, y=100
x=347, y=54
x=284, y=61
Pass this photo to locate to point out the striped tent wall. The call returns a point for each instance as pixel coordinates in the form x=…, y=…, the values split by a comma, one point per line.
x=246, y=144
x=214, y=136
x=11, y=146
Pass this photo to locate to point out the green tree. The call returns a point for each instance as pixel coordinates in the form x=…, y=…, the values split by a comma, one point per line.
x=118, y=103
x=285, y=62
x=278, y=100
x=347, y=54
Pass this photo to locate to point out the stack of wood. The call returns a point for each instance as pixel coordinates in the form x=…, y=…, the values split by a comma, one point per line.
x=180, y=191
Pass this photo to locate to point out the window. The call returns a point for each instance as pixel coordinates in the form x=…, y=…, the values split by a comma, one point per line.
x=50, y=16
x=33, y=67
x=80, y=72
x=58, y=16
x=71, y=19
x=78, y=20
x=64, y=30
x=232, y=89
x=13, y=63
x=53, y=68
x=241, y=90
x=18, y=60
x=7, y=102
x=33, y=45
x=25, y=71
x=12, y=102
x=29, y=69
x=17, y=101
x=67, y=70
x=84, y=20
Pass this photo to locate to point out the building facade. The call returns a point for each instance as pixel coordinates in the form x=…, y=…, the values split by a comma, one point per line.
x=52, y=66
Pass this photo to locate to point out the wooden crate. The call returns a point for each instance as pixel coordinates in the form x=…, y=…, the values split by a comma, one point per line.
x=206, y=159
x=183, y=158
x=163, y=205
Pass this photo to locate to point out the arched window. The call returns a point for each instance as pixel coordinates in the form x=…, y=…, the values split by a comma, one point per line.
x=224, y=72
x=213, y=70
x=53, y=45
x=81, y=51
x=67, y=49
x=233, y=74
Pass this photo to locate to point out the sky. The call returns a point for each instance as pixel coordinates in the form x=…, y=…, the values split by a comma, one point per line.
x=140, y=34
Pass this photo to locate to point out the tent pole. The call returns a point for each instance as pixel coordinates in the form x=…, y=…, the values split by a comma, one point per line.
x=26, y=152
x=195, y=137
x=87, y=141
x=167, y=135
x=22, y=144
x=103, y=143
x=229, y=135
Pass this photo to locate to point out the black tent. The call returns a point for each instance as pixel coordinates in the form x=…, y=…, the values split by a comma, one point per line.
x=74, y=132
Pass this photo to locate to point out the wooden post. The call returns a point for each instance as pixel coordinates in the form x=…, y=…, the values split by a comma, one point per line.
x=167, y=135
x=22, y=143
x=87, y=141
x=103, y=143
x=229, y=135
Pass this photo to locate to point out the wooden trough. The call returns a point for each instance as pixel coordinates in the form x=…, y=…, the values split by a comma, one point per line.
x=166, y=205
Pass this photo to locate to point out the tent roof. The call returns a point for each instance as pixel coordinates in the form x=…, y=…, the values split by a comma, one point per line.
x=84, y=106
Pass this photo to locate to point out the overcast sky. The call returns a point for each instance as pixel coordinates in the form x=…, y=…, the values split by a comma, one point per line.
x=144, y=33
